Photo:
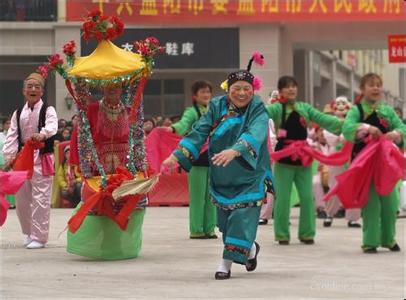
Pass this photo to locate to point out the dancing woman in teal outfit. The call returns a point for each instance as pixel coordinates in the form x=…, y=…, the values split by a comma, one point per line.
x=240, y=174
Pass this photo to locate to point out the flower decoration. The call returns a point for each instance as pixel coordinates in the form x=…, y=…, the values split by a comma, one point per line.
x=384, y=122
x=148, y=48
x=258, y=58
x=303, y=121
x=257, y=83
x=102, y=27
x=55, y=63
x=69, y=49
x=224, y=85
x=43, y=70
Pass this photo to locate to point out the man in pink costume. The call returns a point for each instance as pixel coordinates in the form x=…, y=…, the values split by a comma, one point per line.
x=37, y=121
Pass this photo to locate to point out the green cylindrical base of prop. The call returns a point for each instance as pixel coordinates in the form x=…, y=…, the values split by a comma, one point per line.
x=100, y=238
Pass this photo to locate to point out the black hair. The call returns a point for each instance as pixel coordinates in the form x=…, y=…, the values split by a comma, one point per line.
x=150, y=120
x=200, y=84
x=286, y=81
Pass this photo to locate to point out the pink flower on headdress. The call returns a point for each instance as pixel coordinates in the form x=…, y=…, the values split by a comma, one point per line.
x=258, y=58
x=43, y=70
x=257, y=83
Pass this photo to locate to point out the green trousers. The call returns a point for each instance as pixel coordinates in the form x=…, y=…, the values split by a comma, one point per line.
x=202, y=212
x=11, y=200
x=285, y=176
x=379, y=219
x=239, y=228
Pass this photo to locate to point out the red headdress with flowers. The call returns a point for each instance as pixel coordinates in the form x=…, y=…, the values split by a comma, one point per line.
x=102, y=27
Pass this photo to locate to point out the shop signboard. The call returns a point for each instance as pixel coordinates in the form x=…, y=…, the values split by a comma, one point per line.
x=185, y=48
x=397, y=48
x=159, y=12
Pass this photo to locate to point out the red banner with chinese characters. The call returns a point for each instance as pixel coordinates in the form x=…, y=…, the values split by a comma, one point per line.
x=239, y=11
x=397, y=48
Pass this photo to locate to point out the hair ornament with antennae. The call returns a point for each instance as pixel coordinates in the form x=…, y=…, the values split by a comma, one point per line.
x=246, y=75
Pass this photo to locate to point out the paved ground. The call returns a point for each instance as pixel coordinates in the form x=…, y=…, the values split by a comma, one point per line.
x=172, y=266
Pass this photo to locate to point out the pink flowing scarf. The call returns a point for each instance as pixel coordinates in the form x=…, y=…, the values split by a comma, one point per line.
x=300, y=150
x=160, y=144
x=11, y=182
x=380, y=163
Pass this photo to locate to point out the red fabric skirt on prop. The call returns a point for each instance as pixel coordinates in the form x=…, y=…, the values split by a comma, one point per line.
x=380, y=163
x=102, y=202
x=10, y=183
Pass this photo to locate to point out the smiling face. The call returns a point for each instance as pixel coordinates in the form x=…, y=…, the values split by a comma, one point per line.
x=32, y=91
x=241, y=93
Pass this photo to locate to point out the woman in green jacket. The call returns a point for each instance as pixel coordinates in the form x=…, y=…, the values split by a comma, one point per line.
x=372, y=117
x=202, y=212
x=291, y=118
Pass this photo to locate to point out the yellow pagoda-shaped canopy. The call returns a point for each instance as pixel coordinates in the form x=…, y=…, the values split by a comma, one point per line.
x=108, y=62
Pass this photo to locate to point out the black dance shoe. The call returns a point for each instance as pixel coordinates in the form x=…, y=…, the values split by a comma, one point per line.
x=222, y=275
x=395, y=248
x=251, y=264
x=263, y=222
x=327, y=222
x=353, y=224
x=370, y=250
x=307, y=242
x=211, y=236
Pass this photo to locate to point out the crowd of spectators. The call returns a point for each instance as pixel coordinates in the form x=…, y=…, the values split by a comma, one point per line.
x=158, y=121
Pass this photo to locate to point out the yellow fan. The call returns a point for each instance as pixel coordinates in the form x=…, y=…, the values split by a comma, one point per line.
x=135, y=186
